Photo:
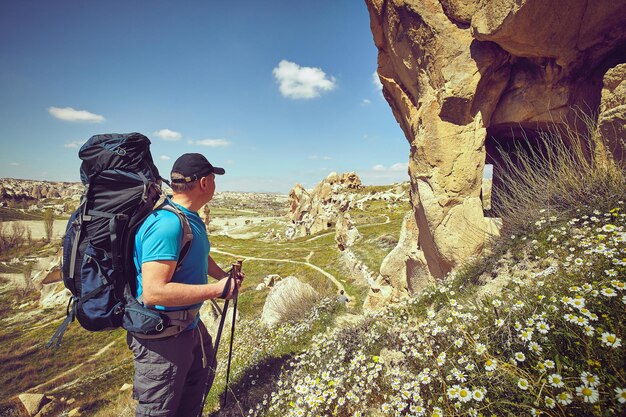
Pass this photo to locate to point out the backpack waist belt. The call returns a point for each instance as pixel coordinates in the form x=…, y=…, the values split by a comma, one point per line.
x=178, y=322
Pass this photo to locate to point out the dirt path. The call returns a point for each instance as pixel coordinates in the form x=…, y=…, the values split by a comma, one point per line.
x=331, y=277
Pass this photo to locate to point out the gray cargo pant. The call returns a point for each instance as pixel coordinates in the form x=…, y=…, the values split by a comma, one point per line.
x=170, y=380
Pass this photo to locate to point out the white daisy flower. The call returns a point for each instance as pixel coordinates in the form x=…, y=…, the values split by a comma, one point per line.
x=491, y=364
x=589, y=394
x=618, y=285
x=478, y=395
x=550, y=403
x=520, y=357
x=578, y=302
x=564, y=398
x=611, y=340
x=620, y=395
x=608, y=292
x=522, y=383
x=464, y=395
x=453, y=392
x=555, y=380
x=526, y=335
x=543, y=327
x=548, y=364
x=535, y=347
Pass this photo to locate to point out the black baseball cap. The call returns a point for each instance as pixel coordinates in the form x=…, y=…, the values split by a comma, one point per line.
x=193, y=166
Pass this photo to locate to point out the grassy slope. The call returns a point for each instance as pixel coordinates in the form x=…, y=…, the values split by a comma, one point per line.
x=96, y=385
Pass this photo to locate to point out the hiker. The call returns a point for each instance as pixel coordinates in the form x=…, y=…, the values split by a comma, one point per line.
x=173, y=373
x=342, y=297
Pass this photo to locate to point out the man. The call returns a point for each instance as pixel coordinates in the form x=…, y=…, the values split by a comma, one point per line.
x=173, y=373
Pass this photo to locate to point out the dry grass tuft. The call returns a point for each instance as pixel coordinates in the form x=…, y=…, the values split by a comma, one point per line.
x=567, y=171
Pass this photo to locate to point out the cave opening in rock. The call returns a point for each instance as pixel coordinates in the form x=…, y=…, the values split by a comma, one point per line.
x=515, y=142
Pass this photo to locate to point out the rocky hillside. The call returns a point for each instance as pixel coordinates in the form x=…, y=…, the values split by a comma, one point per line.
x=320, y=209
x=465, y=78
x=17, y=190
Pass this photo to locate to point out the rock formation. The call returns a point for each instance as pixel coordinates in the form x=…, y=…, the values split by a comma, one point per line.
x=32, y=190
x=317, y=211
x=463, y=78
x=612, y=118
x=346, y=232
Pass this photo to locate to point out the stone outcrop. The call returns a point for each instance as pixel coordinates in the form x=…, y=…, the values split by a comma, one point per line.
x=346, y=232
x=318, y=210
x=462, y=77
x=612, y=118
x=32, y=402
x=403, y=271
x=32, y=190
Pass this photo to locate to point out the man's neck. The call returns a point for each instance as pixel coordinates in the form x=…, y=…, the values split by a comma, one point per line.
x=185, y=201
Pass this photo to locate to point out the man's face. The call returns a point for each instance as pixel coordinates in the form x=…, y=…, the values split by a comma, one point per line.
x=208, y=186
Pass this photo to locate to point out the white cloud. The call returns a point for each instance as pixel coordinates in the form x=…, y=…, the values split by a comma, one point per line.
x=376, y=81
x=164, y=158
x=167, y=134
x=14, y=164
x=382, y=175
x=366, y=102
x=212, y=143
x=75, y=144
x=298, y=82
x=315, y=157
x=72, y=115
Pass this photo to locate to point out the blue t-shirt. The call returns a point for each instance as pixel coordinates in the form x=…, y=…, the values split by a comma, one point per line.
x=159, y=238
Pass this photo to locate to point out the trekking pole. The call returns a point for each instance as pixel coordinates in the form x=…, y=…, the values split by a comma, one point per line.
x=232, y=277
x=236, y=270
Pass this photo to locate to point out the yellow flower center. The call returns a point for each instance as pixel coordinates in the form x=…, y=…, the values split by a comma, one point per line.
x=587, y=392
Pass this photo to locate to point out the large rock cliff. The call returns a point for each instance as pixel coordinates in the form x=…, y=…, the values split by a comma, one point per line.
x=464, y=76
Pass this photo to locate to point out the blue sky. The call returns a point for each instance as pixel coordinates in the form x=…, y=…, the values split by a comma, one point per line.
x=276, y=92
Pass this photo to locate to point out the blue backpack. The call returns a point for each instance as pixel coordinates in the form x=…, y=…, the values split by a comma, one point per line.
x=122, y=187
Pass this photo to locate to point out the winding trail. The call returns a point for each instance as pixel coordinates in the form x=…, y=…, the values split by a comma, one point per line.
x=331, y=277
x=387, y=220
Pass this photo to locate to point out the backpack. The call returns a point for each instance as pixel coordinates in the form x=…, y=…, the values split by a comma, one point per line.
x=122, y=187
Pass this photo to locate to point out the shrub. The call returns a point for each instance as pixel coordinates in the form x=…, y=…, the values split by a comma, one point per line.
x=48, y=223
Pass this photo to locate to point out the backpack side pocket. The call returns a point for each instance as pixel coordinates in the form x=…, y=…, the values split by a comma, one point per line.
x=98, y=306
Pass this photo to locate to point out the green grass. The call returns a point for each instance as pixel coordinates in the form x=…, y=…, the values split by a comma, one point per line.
x=7, y=214
x=25, y=363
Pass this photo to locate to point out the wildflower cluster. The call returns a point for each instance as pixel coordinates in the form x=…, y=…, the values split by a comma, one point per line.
x=549, y=342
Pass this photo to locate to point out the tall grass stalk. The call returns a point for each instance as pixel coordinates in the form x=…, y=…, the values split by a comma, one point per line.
x=566, y=171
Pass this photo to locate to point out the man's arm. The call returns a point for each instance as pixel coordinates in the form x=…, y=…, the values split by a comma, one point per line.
x=215, y=271
x=158, y=289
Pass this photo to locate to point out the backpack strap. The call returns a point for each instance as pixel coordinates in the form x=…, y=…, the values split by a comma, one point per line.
x=187, y=233
x=79, y=220
x=178, y=321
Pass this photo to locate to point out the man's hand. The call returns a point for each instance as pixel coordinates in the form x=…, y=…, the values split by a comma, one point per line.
x=228, y=286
